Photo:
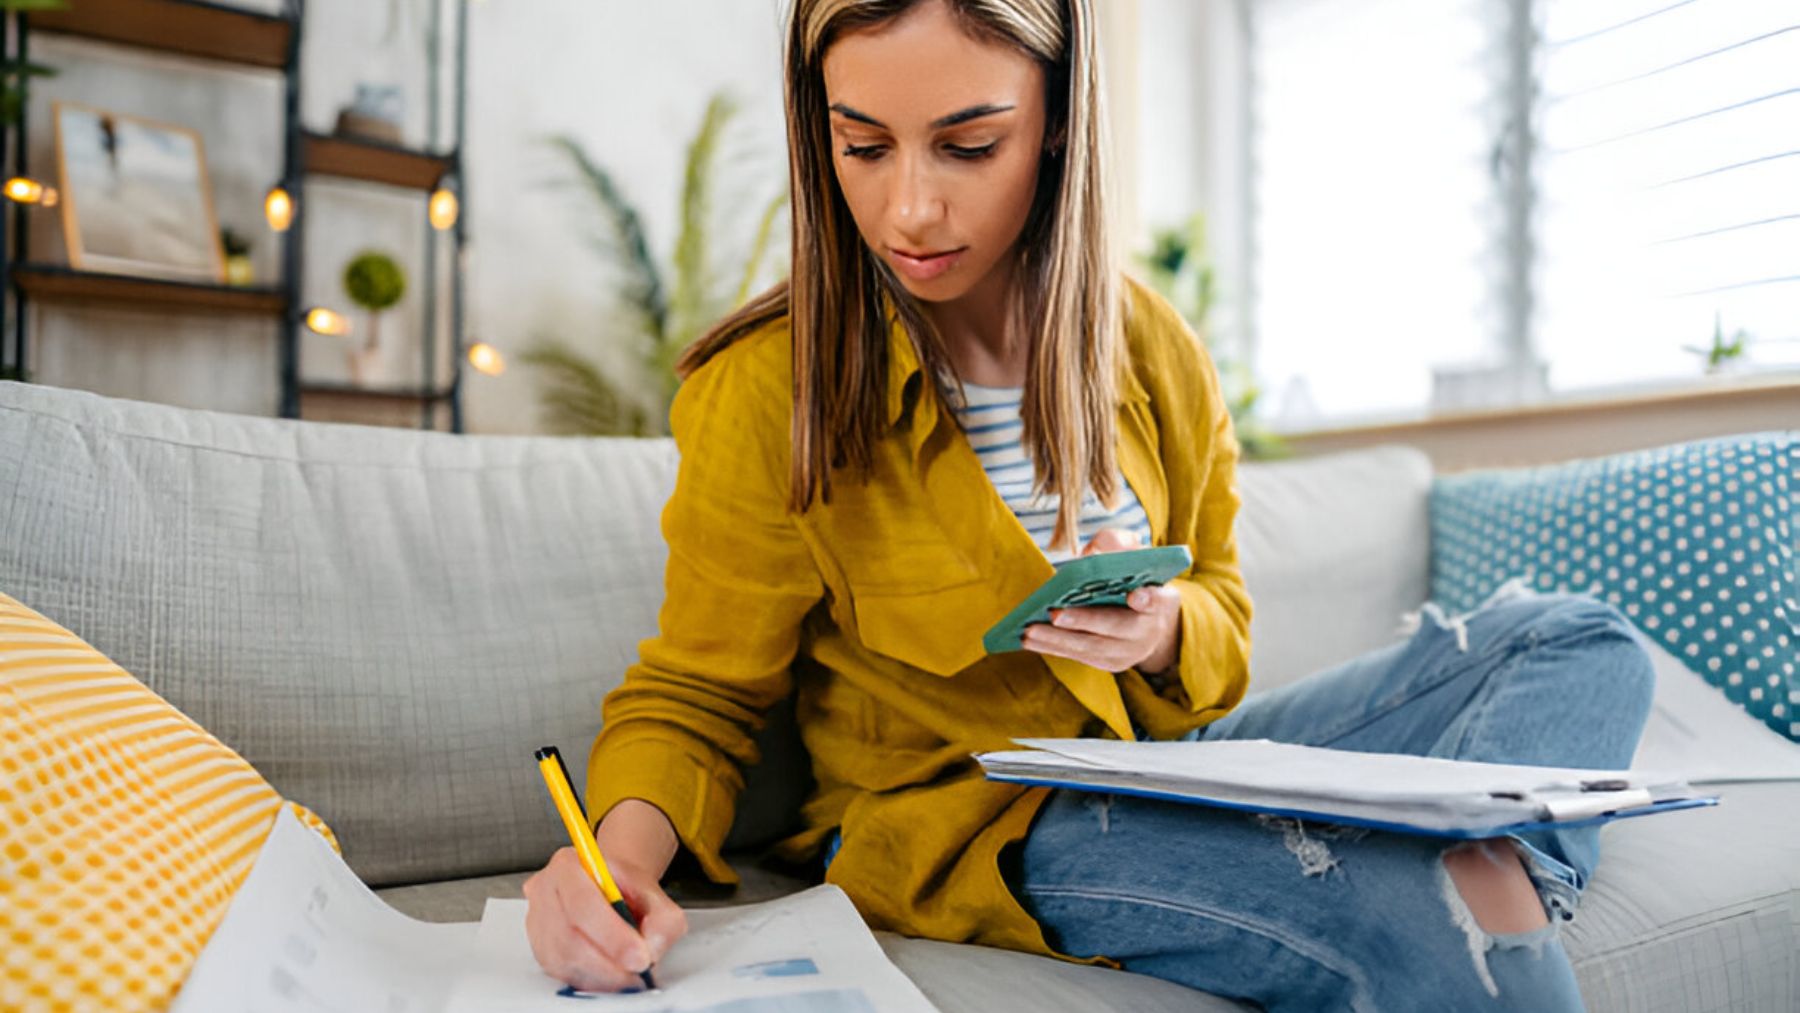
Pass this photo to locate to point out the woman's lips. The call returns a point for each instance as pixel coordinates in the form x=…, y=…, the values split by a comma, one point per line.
x=924, y=267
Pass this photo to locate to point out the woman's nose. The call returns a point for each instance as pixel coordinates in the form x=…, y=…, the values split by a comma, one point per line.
x=917, y=200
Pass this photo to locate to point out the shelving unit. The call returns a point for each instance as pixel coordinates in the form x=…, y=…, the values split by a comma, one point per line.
x=50, y=283
x=214, y=32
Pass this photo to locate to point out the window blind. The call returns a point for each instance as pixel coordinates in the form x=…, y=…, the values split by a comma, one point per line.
x=1667, y=186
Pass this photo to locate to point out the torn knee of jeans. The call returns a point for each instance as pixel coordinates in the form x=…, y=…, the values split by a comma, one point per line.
x=1474, y=935
x=1310, y=848
x=1410, y=622
x=1480, y=941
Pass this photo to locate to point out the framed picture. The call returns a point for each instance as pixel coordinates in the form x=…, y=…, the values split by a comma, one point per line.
x=136, y=197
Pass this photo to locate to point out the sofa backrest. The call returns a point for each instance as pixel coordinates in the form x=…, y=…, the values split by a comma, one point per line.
x=386, y=623
x=1334, y=550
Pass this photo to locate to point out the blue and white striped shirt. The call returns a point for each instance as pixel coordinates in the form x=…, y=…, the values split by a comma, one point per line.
x=991, y=419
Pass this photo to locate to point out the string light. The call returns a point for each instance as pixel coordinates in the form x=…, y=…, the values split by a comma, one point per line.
x=443, y=209
x=278, y=208
x=486, y=358
x=330, y=323
x=23, y=190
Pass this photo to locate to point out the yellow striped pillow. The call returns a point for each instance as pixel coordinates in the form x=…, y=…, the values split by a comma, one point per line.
x=124, y=827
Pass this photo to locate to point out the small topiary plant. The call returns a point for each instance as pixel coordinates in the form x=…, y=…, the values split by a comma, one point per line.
x=376, y=282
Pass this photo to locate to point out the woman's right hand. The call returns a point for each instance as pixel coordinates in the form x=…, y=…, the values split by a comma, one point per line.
x=576, y=936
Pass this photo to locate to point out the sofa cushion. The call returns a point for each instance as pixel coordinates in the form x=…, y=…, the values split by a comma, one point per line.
x=1694, y=542
x=385, y=623
x=124, y=827
x=1697, y=910
x=1334, y=550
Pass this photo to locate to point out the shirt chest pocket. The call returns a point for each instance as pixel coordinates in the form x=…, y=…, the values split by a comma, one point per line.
x=938, y=631
x=916, y=593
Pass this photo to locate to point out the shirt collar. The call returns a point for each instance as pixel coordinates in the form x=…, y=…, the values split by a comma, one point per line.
x=903, y=365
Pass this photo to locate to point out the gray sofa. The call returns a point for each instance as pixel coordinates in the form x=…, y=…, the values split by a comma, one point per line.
x=386, y=623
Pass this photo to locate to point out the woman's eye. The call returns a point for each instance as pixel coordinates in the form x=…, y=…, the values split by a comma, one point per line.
x=973, y=153
x=868, y=151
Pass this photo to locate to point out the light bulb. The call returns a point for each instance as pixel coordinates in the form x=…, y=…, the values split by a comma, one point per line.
x=330, y=323
x=486, y=358
x=278, y=207
x=22, y=190
x=443, y=209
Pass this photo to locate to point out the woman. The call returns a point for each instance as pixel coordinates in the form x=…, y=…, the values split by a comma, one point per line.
x=879, y=459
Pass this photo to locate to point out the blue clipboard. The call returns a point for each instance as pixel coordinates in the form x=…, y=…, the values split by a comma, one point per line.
x=1459, y=833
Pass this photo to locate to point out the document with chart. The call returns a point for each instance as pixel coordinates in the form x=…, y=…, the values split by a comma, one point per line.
x=805, y=953
x=304, y=934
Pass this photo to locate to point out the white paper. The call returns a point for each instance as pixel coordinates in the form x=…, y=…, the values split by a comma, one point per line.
x=304, y=934
x=1695, y=730
x=1417, y=791
x=805, y=953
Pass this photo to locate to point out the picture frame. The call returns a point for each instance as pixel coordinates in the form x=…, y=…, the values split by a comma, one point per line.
x=136, y=197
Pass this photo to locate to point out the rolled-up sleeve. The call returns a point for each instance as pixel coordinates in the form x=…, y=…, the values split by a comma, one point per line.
x=677, y=733
x=1199, y=455
x=1215, y=606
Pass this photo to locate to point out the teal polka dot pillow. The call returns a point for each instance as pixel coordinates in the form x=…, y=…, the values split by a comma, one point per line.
x=1694, y=542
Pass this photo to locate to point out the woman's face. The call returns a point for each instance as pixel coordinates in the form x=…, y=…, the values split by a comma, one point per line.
x=936, y=138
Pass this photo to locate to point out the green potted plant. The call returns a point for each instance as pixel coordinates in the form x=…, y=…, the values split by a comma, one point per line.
x=238, y=269
x=1176, y=267
x=661, y=311
x=374, y=281
x=1723, y=354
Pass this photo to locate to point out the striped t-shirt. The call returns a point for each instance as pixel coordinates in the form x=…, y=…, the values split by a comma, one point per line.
x=991, y=419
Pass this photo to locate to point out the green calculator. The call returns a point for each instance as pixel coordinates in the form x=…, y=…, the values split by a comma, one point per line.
x=1104, y=578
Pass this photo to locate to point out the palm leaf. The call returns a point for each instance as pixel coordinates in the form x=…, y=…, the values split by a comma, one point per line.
x=628, y=246
x=759, y=248
x=693, y=303
x=577, y=398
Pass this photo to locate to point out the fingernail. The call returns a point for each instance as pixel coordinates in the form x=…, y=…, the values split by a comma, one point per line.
x=640, y=961
x=658, y=946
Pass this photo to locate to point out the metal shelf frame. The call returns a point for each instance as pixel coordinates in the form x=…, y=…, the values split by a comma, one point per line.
x=212, y=32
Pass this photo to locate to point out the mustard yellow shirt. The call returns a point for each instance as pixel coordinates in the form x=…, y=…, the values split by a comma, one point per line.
x=871, y=610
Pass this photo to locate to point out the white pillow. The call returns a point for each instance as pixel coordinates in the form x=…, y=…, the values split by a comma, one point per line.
x=1334, y=550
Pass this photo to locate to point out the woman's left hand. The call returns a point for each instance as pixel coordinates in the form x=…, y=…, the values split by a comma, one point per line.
x=1145, y=633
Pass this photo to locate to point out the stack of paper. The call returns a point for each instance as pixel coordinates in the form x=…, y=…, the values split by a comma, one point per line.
x=1411, y=794
x=303, y=934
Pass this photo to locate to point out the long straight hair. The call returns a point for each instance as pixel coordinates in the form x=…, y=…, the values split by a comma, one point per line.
x=1066, y=301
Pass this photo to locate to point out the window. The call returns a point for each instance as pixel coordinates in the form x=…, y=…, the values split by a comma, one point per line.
x=1474, y=202
x=1373, y=210
x=1668, y=182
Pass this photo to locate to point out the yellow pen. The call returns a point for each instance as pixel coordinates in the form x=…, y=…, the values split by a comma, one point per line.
x=556, y=778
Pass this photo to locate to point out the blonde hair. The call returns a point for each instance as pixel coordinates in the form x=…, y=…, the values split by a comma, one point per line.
x=1066, y=301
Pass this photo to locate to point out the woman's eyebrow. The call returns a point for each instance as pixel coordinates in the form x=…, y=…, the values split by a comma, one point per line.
x=971, y=113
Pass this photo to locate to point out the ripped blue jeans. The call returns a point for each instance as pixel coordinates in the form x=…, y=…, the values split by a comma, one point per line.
x=1306, y=916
